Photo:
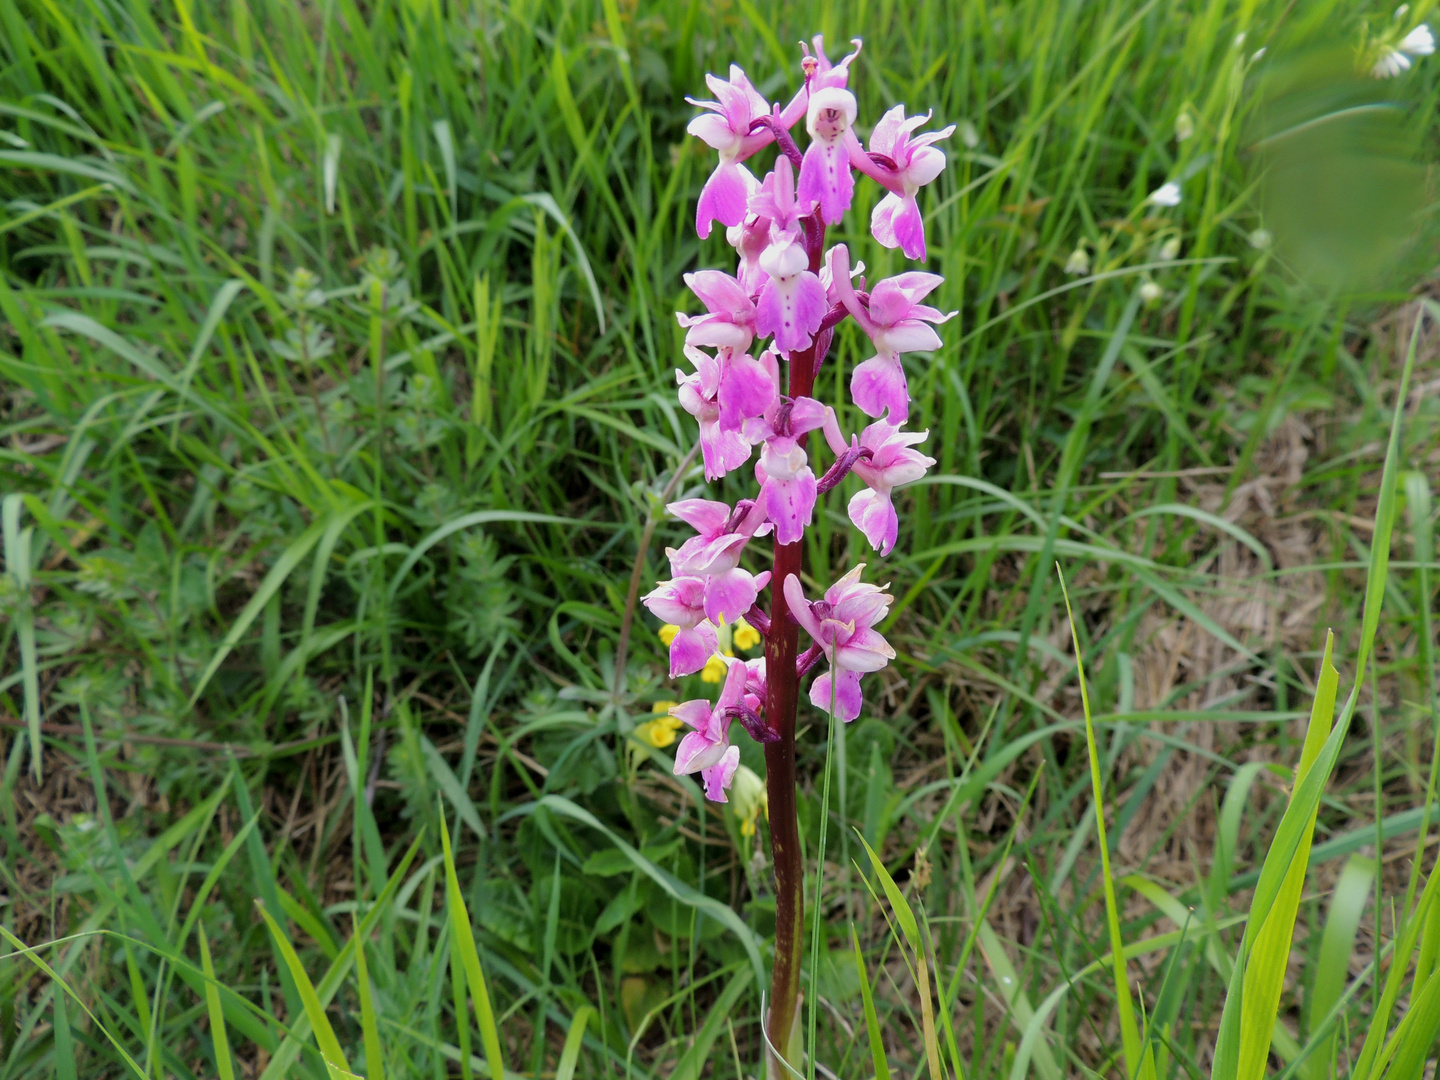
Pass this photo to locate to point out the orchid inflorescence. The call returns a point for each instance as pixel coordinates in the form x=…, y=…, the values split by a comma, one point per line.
x=788, y=294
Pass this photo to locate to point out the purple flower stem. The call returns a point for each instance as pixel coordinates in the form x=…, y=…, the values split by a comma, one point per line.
x=782, y=691
x=783, y=139
x=758, y=620
x=843, y=464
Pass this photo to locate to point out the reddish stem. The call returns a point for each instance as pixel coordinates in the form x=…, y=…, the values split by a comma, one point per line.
x=782, y=689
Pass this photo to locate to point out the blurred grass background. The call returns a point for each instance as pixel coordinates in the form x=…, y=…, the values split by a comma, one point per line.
x=337, y=351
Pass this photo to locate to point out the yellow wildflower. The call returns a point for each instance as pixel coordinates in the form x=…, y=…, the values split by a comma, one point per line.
x=667, y=633
x=744, y=635
x=714, y=670
x=659, y=732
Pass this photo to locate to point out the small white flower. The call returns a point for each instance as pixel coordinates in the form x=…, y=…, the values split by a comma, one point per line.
x=1151, y=293
x=1419, y=42
x=1184, y=126
x=968, y=135
x=1261, y=239
x=1390, y=65
x=1078, y=265
x=1167, y=194
x=1170, y=250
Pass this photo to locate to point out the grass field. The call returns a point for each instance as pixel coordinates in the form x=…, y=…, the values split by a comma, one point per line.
x=337, y=347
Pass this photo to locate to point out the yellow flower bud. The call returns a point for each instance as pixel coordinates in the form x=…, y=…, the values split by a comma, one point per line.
x=668, y=632
x=659, y=732
x=744, y=635
x=714, y=670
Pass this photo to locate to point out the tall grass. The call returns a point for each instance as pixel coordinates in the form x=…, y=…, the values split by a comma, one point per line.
x=337, y=346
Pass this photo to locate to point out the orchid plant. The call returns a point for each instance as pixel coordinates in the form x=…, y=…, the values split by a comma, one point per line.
x=754, y=353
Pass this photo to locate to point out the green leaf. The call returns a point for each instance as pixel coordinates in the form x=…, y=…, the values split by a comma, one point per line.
x=872, y=1022
x=314, y=1011
x=462, y=940
x=219, y=1042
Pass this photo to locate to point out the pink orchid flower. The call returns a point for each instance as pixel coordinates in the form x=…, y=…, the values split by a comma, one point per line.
x=896, y=220
x=787, y=484
x=681, y=602
x=723, y=391
x=726, y=128
x=729, y=319
x=792, y=300
x=707, y=749
x=896, y=323
x=890, y=463
x=750, y=240
x=825, y=178
x=843, y=626
x=714, y=555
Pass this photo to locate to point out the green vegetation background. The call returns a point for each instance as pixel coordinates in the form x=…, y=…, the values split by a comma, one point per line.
x=296, y=563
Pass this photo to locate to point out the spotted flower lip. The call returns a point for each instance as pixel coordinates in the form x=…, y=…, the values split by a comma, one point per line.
x=787, y=484
x=825, y=178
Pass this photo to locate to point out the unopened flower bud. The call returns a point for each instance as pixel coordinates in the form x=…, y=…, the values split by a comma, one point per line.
x=1078, y=265
x=1170, y=249
x=1150, y=293
x=748, y=799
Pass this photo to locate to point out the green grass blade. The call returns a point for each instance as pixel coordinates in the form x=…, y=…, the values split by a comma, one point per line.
x=872, y=1022
x=575, y=1038
x=374, y=1052
x=1269, y=955
x=1129, y=1032
x=219, y=1041
x=64, y=1044
x=1332, y=965
x=462, y=940
x=319, y=1023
